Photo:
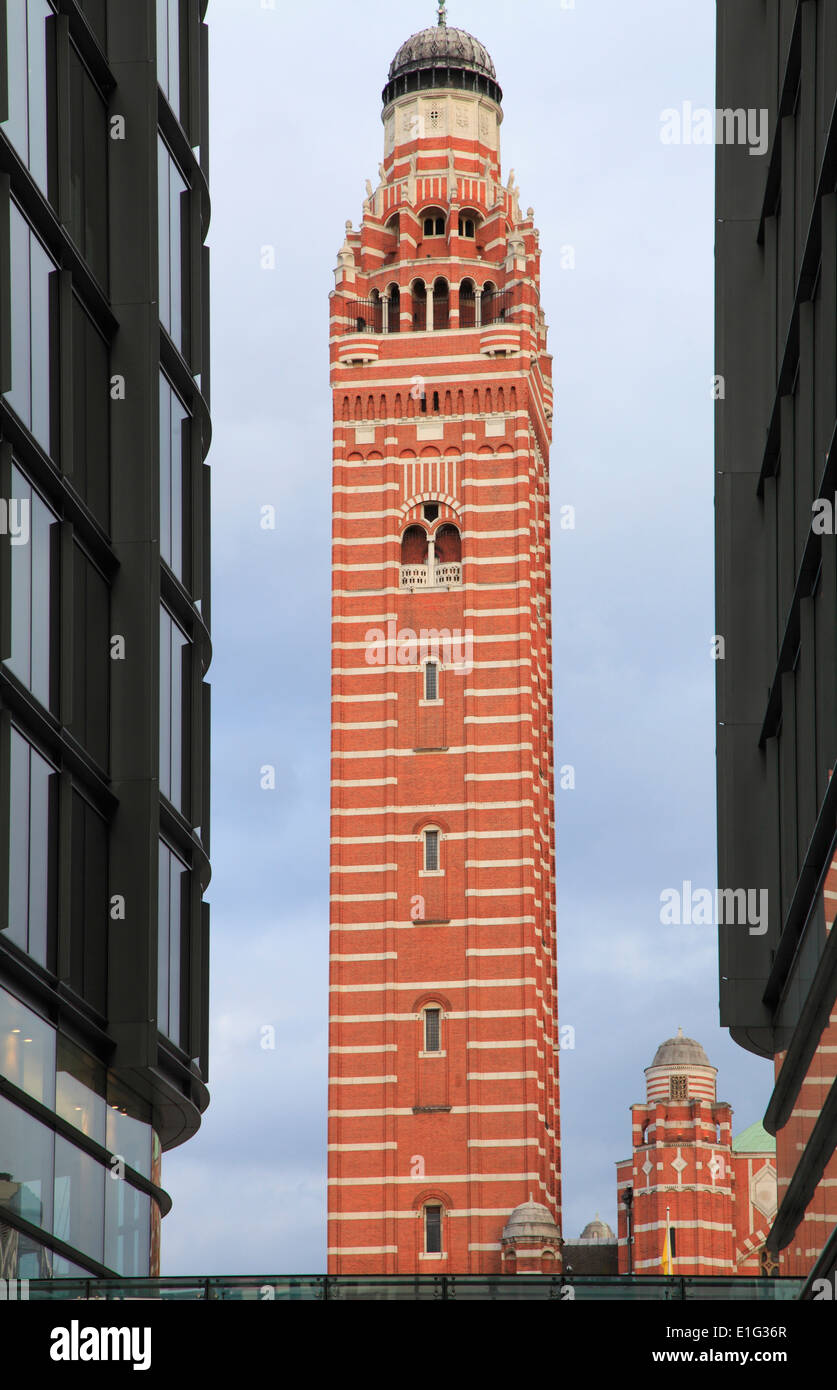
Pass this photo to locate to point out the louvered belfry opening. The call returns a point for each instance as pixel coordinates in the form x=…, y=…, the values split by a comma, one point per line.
x=414, y=546
x=448, y=546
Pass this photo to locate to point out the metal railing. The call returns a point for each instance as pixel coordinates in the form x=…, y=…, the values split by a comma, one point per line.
x=496, y=308
x=312, y=1288
x=367, y=315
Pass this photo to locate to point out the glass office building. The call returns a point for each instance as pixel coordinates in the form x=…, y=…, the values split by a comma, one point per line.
x=776, y=484
x=104, y=623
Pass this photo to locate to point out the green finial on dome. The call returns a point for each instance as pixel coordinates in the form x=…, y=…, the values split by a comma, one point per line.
x=443, y=18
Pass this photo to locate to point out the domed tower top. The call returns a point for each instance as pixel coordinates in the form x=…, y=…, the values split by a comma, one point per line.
x=597, y=1230
x=680, y=1071
x=442, y=57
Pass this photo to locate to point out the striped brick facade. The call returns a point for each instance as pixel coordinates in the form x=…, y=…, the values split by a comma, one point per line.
x=718, y=1195
x=820, y=1219
x=442, y=850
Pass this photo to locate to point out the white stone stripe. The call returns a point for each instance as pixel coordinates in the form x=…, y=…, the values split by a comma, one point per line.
x=501, y=1076
x=355, y=811
x=366, y=782
x=361, y=1249
x=371, y=724
x=497, y=863
x=367, y=1047
x=505, y=1144
x=364, y=868
x=454, y=1013
x=686, y=1226
x=363, y=699
x=384, y=1180
x=362, y=1080
x=433, y=984
x=395, y=590
x=500, y=951
x=654, y=1264
x=527, y=832
x=497, y=892
x=453, y=751
x=455, y=1110
x=362, y=897
x=370, y=955
x=361, y=1148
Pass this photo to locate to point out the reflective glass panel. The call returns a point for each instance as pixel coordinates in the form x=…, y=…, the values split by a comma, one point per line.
x=31, y=395
x=34, y=556
x=127, y=1228
x=79, y=1199
x=80, y=1089
x=26, y=126
x=169, y=942
x=27, y=1049
x=168, y=51
x=26, y=1168
x=34, y=792
x=173, y=658
x=171, y=190
x=173, y=415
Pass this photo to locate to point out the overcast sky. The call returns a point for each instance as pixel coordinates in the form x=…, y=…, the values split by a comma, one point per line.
x=295, y=103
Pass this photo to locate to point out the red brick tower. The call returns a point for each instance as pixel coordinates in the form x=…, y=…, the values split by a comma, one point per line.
x=443, y=1097
x=716, y=1194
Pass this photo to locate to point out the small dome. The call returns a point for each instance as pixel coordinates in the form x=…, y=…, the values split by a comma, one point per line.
x=597, y=1230
x=444, y=48
x=680, y=1051
x=442, y=57
x=533, y=1221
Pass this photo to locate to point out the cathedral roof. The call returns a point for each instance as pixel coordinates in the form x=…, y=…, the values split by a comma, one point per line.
x=680, y=1051
x=754, y=1140
x=597, y=1230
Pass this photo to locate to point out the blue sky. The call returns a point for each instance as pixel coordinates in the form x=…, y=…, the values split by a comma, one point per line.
x=295, y=133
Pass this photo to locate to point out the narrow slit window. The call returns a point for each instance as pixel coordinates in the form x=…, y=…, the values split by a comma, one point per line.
x=431, y=851
x=431, y=681
x=433, y=1030
x=433, y=1230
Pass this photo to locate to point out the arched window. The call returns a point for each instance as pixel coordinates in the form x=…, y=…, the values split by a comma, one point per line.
x=432, y=1229
x=432, y=862
x=432, y=1041
x=414, y=546
x=419, y=306
x=448, y=545
x=431, y=680
x=467, y=305
x=441, y=304
x=394, y=318
x=436, y=402
x=434, y=223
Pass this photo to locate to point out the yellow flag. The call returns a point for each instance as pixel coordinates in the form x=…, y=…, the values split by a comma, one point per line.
x=666, y=1264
